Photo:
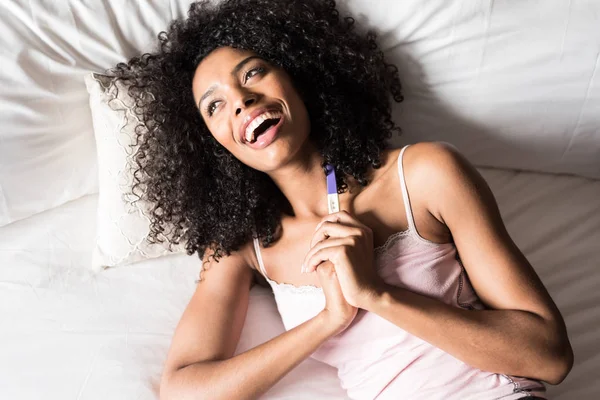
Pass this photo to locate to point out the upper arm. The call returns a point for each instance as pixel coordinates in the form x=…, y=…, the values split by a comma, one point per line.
x=212, y=322
x=460, y=198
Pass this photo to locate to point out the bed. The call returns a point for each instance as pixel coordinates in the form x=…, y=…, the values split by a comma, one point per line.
x=518, y=93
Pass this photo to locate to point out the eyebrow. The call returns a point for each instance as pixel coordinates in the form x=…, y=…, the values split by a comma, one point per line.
x=234, y=72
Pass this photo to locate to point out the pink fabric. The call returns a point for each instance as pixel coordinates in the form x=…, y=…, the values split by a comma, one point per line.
x=378, y=360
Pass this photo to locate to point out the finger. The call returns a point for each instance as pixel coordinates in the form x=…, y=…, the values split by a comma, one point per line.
x=328, y=251
x=343, y=217
x=333, y=242
x=325, y=270
x=319, y=258
x=327, y=276
x=334, y=230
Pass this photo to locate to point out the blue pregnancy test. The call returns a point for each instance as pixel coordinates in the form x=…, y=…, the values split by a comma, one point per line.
x=333, y=201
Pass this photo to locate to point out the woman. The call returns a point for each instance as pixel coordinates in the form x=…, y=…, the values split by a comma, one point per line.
x=242, y=107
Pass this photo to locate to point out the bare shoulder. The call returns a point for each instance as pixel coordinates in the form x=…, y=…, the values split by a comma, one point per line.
x=242, y=262
x=431, y=156
x=424, y=165
x=431, y=165
x=420, y=161
x=215, y=273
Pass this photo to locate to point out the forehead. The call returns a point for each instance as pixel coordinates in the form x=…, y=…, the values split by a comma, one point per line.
x=218, y=64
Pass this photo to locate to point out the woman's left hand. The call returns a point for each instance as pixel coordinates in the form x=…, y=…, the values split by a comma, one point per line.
x=348, y=244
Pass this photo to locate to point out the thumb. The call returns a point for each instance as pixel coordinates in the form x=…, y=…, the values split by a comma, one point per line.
x=326, y=270
x=328, y=278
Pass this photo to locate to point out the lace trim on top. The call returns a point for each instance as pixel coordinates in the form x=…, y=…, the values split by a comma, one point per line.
x=289, y=288
x=384, y=248
x=377, y=253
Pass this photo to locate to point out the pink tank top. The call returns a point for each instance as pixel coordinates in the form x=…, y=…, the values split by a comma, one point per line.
x=376, y=359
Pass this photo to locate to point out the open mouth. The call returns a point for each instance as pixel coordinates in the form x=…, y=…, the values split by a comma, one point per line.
x=261, y=124
x=262, y=128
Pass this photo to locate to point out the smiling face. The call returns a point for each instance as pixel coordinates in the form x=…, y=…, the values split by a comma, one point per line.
x=251, y=107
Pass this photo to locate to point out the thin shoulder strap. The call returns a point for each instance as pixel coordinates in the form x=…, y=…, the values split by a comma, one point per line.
x=259, y=257
x=409, y=215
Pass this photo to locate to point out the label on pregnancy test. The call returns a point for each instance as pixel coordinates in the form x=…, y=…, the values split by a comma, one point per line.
x=333, y=203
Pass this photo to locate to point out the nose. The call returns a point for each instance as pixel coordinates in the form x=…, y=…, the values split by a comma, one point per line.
x=245, y=100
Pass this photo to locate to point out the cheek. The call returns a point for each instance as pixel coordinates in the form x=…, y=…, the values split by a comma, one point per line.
x=286, y=90
x=219, y=123
x=280, y=86
x=225, y=139
x=297, y=106
x=289, y=91
x=221, y=133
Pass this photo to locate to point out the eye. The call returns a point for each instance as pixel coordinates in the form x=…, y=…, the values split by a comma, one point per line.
x=211, y=107
x=250, y=73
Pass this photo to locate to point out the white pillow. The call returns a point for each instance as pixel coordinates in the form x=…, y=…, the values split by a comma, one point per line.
x=47, y=154
x=123, y=220
x=47, y=150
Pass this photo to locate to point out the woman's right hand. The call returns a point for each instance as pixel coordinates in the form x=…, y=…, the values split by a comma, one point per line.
x=339, y=312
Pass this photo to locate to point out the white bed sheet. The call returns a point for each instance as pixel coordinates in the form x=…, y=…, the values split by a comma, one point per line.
x=70, y=333
x=67, y=333
x=513, y=84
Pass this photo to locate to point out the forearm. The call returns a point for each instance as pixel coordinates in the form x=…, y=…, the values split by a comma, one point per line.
x=252, y=373
x=511, y=342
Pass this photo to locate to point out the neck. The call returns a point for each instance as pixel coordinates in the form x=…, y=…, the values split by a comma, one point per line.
x=302, y=181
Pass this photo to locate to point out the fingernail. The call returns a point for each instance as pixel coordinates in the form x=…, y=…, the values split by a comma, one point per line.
x=302, y=269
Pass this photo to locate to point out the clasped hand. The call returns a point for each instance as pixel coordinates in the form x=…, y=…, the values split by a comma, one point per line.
x=345, y=245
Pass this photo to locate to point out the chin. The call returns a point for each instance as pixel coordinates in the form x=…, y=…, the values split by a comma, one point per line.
x=279, y=153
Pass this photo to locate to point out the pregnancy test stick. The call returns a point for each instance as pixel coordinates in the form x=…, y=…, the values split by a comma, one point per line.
x=333, y=201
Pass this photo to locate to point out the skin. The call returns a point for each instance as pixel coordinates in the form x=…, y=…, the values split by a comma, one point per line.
x=450, y=201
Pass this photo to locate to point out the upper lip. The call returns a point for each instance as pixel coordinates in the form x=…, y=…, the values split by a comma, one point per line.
x=250, y=117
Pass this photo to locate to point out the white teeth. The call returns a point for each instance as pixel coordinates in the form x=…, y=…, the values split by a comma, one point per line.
x=249, y=134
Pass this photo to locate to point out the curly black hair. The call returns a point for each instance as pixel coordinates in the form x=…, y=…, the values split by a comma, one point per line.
x=199, y=192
